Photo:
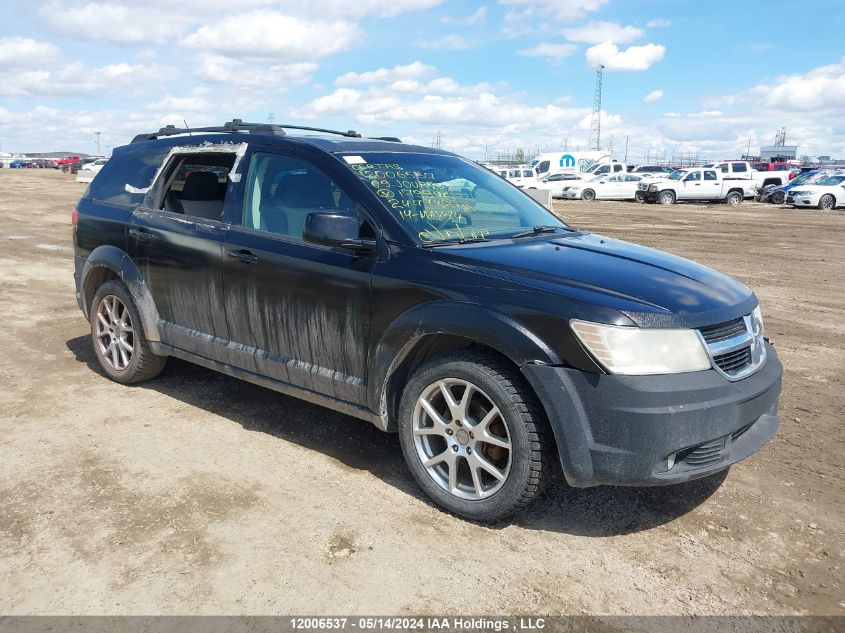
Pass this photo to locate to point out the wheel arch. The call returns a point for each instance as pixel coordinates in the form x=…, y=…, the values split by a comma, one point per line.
x=430, y=330
x=110, y=262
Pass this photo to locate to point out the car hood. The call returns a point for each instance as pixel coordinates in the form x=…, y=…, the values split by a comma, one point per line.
x=651, y=287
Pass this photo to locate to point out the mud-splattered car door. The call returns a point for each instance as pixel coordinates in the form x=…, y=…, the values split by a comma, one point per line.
x=176, y=239
x=297, y=312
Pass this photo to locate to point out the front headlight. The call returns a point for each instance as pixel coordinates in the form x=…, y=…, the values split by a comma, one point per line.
x=652, y=187
x=636, y=351
x=757, y=322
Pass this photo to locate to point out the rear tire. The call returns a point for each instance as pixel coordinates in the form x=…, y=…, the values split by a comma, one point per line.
x=588, y=194
x=491, y=480
x=118, y=337
x=734, y=198
x=827, y=202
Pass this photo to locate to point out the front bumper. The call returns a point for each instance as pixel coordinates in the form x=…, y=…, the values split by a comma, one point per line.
x=623, y=430
x=804, y=201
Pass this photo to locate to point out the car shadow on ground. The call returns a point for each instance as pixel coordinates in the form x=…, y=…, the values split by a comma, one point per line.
x=356, y=444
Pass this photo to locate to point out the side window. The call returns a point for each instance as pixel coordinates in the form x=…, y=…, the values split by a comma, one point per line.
x=196, y=184
x=554, y=178
x=543, y=167
x=617, y=168
x=710, y=175
x=281, y=191
x=527, y=173
x=694, y=175
x=724, y=168
x=135, y=169
x=738, y=167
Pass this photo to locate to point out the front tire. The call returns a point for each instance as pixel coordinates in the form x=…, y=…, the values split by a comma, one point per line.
x=588, y=195
x=666, y=197
x=778, y=197
x=827, y=202
x=118, y=337
x=473, y=435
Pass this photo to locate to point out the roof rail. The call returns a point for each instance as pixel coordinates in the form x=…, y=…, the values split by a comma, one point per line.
x=237, y=125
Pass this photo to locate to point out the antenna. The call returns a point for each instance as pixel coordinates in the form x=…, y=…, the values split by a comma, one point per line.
x=595, y=124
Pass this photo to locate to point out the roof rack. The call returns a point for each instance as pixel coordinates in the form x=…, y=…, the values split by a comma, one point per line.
x=237, y=125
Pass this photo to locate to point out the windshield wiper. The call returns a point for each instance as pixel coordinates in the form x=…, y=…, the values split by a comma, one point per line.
x=463, y=240
x=537, y=230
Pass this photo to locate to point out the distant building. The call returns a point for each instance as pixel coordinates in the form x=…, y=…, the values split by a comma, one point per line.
x=778, y=153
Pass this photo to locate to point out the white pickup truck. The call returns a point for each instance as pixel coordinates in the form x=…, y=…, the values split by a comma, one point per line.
x=742, y=170
x=695, y=184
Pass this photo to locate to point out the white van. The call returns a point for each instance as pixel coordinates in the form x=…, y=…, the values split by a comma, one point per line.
x=550, y=163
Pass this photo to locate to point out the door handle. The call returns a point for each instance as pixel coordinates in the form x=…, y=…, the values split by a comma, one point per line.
x=244, y=256
x=140, y=235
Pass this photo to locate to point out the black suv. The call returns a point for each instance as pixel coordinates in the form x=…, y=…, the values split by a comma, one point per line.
x=415, y=289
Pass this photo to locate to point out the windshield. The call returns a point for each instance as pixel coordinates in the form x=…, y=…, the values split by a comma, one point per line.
x=831, y=181
x=446, y=198
x=677, y=175
x=805, y=177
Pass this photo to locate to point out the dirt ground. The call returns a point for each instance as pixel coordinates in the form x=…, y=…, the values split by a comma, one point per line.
x=198, y=493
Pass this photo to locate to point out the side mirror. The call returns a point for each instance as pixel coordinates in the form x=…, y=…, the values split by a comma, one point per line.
x=335, y=228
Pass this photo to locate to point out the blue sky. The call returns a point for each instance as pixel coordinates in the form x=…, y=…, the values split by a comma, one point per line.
x=683, y=76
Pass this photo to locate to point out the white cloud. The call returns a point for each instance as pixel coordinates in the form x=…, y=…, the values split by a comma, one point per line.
x=115, y=22
x=197, y=101
x=414, y=70
x=654, y=95
x=658, y=23
x=257, y=74
x=550, y=50
x=156, y=21
x=264, y=34
x=76, y=79
x=441, y=103
x=598, y=32
x=561, y=9
x=632, y=58
x=475, y=18
x=19, y=52
x=448, y=42
x=355, y=9
x=820, y=89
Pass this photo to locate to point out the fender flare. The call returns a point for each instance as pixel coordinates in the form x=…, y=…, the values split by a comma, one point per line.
x=489, y=327
x=119, y=262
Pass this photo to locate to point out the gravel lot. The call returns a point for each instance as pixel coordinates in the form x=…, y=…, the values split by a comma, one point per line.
x=197, y=493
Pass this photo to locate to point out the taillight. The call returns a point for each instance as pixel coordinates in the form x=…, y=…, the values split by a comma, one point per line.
x=74, y=218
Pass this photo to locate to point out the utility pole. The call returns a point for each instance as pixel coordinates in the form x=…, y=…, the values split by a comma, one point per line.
x=626, y=149
x=270, y=118
x=98, y=142
x=748, y=151
x=595, y=124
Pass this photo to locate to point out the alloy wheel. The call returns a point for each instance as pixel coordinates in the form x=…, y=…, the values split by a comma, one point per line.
x=462, y=439
x=114, y=333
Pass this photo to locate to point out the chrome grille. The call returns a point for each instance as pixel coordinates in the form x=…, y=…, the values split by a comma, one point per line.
x=723, y=331
x=735, y=347
x=734, y=361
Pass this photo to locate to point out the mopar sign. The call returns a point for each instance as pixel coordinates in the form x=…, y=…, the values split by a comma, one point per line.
x=567, y=160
